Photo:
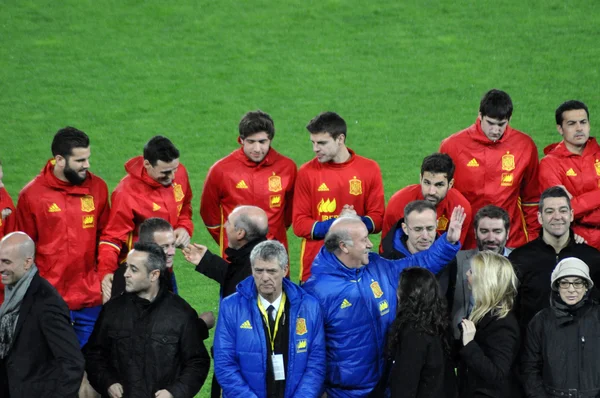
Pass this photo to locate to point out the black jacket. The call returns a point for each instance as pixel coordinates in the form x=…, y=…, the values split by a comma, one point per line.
x=228, y=274
x=562, y=352
x=45, y=359
x=486, y=363
x=534, y=263
x=147, y=346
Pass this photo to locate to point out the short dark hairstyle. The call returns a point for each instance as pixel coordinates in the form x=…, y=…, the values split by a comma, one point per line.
x=438, y=163
x=419, y=206
x=157, y=260
x=160, y=148
x=493, y=212
x=68, y=138
x=496, y=104
x=253, y=230
x=554, y=192
x=328, y=122
x=150, y=226
x=255, y=122
x=569, y=106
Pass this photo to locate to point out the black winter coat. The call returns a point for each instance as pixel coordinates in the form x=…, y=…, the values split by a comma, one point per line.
x=45, y=360
x=562, y=353
x=147, y=346
x=486, y=363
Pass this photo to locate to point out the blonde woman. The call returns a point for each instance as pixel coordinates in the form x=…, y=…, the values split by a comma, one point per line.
x=490, y=335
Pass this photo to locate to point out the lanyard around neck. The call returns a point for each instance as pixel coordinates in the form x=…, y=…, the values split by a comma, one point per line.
x=272, y=334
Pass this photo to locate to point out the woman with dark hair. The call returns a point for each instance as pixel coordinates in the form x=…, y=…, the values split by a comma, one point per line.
x=418, y=341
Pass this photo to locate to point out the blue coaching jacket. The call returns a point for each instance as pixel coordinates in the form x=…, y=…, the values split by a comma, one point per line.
x=241, y=351
x=359, y=305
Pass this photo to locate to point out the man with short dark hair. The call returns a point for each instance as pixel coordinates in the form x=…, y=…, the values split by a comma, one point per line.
x=436, y=186
x=335, y=183
x=255, y=174
x=270, y=340
x=535, y=261
x=65, y=210
x=39, y=351
x=496, y=164
x=156, y=185
x=146, y=341
x=357, y=293
x=492, y=227
x=574, y=164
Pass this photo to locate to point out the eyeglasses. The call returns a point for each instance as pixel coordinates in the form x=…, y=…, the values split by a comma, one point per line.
x=577, y=285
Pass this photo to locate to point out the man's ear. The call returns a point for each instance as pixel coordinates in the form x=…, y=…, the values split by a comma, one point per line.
x=154, y=275
x=28, y=262
x=451, y=183
x=147, y=164
x=404, y=229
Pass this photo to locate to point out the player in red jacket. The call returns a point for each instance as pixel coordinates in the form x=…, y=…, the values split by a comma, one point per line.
x=65, y=210
x=255, y=175
x=496, y=164
x=336, y=182
x=574, y=164
x=435, y=186
x=7, y=218
x=156, y=185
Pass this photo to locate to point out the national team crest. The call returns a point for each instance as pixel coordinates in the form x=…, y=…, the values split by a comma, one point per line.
x=275, y=183
x=301, y=326
x=442, y=223
x=87, y=203
x=507, y=179
x=377, y=292
x=178, y=192
x=508, y=162
x=355, y=186
x=274, y=201
x=88, y=221
x=597, y=166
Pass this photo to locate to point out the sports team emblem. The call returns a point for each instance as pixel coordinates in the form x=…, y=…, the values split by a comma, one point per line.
x=507, y=180
x=376, y=289
x=442, y=223
x=301, y=326
x=597, y=166
x=274, y=201
x=355, y=187
x=508, y=162
x=301, y=345
x=384, y=307
x=87, y=203
x=275, y=183
x=178, y=192
x=88, y=222
x=326, y=206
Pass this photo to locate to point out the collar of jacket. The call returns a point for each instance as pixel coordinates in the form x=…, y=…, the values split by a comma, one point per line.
x=268, y=160
x=234, y=255
x=53, y=182
x=570, y=243
x=135, y=168
x=332, y=165
x=328, y=263
x=479, y=136
x=147, y=304
x=559, y=149
x=568, y=313
x=247, y=289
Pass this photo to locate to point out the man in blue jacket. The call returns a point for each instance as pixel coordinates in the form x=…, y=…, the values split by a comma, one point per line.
x=270, y=338
x=357, y=292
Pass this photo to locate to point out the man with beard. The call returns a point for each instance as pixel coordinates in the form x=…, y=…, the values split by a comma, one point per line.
x=535, y=261
x=492, y=226
x=65, y=210
x=436, y=186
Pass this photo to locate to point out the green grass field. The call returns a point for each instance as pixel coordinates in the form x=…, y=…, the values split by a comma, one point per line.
x=404, y=75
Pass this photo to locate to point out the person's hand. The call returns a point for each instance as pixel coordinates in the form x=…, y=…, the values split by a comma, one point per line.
x=6, y=212
x=209, y=318
x=182, y=238
x=579, y=239
x=115, y=391
x=163, y=394
x=468, y=331
x=107, y=282
x=567, y=191
x=194, y=253
x=455, y=226
x=348, y=210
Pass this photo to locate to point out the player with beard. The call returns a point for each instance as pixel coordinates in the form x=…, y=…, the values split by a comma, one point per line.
x=436, y=186
x=492, y=226
x=64, y=210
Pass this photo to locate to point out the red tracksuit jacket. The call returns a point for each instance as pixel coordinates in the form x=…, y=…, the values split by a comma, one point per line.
x=236, y=180
x=580, y=174
x=503, y=173
x=7, y=225
x=322, y=189
x=136, y=198
x=395, y=209
x=65, y=221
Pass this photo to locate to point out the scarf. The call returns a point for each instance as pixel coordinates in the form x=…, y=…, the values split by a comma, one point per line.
x=9, y=311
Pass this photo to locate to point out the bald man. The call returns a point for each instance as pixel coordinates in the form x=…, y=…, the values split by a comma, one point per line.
x=246, y=227
x=357, y=292
x=39, y=351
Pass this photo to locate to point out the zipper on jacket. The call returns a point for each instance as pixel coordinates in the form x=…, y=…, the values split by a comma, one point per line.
x=582, y=350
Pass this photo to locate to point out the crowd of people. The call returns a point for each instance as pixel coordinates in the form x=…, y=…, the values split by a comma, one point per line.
x=484, y=284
